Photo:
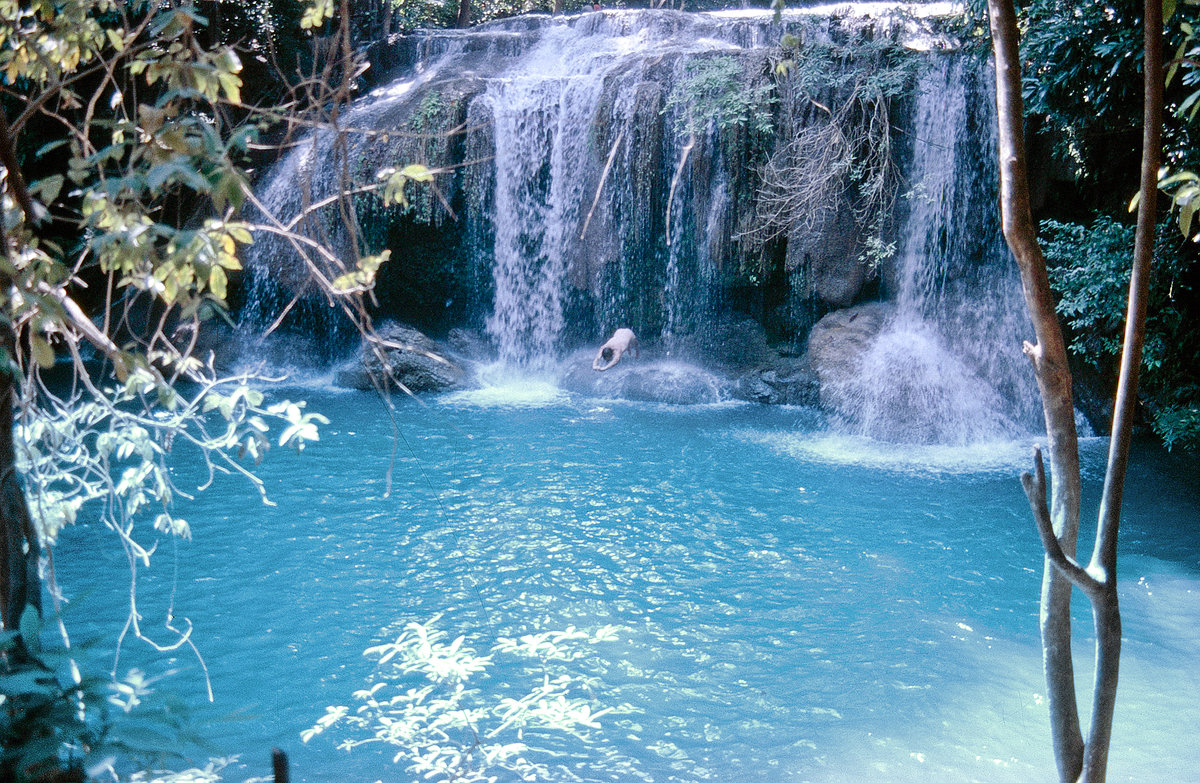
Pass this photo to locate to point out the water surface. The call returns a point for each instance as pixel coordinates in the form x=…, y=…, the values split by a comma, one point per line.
x=792, y=605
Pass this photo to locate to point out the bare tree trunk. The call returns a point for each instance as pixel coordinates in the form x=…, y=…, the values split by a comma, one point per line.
x=464, y=13
x=1049, y=357
x=19, y=584
x=1105, y=607
x=1058, y=523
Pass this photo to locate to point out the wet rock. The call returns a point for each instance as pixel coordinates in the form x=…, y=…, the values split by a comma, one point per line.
x=734, y=344
x=783, y=381
x=470, y=345
x=671, y=382
x=409, y=358
x=836, y=346
x=831, y=254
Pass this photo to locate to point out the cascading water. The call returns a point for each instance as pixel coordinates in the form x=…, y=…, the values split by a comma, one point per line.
x=947, y=366
x=541, y=112
x=580, y=198
x=567, y=201
x=570, y=146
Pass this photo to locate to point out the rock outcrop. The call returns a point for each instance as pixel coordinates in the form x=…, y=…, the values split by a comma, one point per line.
x=645, y=380
x=404, y=356
x=781, y=381
x=836, y=345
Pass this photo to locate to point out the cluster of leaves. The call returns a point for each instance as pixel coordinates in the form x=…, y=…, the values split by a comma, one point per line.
x=872, y=65
x=436, y=704
x=127, y=209
x=1083, y=79
x=409, y=15
x=1089, y=269
x=54, y=717
x=846, y=150
x=716, y=91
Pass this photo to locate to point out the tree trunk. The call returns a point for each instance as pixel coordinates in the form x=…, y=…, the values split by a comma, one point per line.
x=1049, y=357
x=1058, y=523
x=464, y=13
x=1105, y=606
x=19, y=583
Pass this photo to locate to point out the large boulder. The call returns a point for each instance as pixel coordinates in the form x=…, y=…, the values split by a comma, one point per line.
x=836, y=346
x=404, y=356
x=830, y=252
x=733, y=344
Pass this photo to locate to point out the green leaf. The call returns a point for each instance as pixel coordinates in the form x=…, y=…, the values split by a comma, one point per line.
x=217, y=282
x=31, y=628
x=417, y=173
x=43, y=354
x=31, y=682
x=48, y=189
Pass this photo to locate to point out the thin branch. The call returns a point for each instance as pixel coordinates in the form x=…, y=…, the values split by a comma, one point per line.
x=687, y=150
x=612, y=154
x=1035, y=490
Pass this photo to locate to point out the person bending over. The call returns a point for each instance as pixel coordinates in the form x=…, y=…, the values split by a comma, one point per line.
x=611, y=352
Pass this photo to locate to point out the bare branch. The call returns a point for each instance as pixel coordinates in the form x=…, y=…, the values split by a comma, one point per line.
x=1035, y=490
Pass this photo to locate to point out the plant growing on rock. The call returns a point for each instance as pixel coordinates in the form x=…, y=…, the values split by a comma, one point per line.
x=838, y=138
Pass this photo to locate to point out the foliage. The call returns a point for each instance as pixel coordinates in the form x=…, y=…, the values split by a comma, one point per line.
x=845, y=152
x=436, y=703
x=48, y=714
x=409, y=15
x=716, y=91
x=55, y=717
x=1089, y=269
x=1083, y=77
x=879, y=66
x=124, y=140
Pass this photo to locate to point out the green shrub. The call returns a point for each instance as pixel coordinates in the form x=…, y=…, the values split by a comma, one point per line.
x=1089, y=270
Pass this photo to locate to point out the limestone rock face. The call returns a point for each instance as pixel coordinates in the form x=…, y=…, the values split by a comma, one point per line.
x=830, y=253
x=728, y=344
x=836, y=345
x=411, y=359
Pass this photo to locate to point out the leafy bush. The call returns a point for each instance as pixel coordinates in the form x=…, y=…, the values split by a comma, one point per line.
x=1089, y=269
x=59, y=723
x=715, y=90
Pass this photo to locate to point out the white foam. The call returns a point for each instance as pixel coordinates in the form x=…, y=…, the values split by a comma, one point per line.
x=837, y=449
x=506, y=387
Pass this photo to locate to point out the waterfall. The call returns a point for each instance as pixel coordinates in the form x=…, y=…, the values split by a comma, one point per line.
x=575, y=195
x=947, y=365
x=541, y=112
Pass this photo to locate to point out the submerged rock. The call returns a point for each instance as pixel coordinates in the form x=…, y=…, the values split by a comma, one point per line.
x=409, y=359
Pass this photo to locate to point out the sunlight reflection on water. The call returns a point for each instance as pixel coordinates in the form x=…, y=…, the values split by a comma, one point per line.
x=792, y=605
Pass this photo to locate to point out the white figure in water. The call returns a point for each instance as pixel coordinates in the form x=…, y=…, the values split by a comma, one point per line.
x=611, y=352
